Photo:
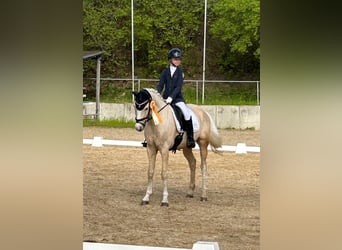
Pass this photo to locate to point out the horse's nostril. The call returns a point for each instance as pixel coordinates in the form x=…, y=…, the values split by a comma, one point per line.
x=139, y=127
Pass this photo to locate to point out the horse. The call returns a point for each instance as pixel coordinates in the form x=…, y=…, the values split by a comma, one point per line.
x=156, y=118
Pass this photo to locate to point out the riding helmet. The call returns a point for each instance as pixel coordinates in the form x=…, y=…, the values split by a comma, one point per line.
x=174, y=53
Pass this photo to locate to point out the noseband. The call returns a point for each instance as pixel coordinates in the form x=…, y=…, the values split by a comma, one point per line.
x=147, y=117
x=142, y=104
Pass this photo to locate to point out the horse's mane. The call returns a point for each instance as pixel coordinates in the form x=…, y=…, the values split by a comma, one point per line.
x=155, y=92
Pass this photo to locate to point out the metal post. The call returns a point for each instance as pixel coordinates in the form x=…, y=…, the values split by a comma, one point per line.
x=132, y=20
x=196, y=92
x=98, y=87
x=204, y=45
x=258, y=93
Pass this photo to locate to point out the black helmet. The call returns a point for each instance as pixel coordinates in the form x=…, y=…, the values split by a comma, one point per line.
x=174, y=53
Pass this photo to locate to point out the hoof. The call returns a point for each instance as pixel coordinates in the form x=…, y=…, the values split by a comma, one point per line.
x=190, y=196
x=144, y=203
x=204, y=199
x=164, y=204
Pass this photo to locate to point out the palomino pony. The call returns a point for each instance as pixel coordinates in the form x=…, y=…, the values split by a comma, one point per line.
x=161, y=137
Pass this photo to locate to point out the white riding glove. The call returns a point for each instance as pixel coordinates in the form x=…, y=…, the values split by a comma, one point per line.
x=168, y=100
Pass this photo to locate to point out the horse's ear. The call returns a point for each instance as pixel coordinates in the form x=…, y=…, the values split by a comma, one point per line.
x=134, y=93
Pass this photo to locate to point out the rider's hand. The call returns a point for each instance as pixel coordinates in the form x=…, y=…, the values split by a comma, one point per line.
x=168, y=100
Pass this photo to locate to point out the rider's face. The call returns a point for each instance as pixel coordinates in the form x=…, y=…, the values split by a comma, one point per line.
x=176, y=61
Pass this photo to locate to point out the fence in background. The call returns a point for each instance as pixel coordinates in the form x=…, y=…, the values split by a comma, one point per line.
x=200, y=86
x=224, y=116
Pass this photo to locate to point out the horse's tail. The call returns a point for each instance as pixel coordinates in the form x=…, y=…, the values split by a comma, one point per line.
x=215, y=139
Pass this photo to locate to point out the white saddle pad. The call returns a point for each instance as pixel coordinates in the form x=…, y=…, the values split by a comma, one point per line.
x=195, y=123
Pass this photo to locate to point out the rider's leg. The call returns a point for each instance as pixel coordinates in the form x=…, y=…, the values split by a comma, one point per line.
x=190, y=133
x=188, y=124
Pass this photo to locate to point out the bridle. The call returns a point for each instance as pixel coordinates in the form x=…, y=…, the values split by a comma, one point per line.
x=140, y=106
x=148, y=117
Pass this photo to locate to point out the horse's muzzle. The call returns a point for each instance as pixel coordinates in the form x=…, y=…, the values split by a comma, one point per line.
x=139, y=127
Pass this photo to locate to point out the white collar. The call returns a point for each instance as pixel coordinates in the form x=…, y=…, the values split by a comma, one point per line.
x=172, y=69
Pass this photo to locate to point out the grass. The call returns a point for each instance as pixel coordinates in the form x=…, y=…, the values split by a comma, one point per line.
x=215, y=93
x=110, y=123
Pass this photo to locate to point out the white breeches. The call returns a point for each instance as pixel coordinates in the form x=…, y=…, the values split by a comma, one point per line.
x=185, y=110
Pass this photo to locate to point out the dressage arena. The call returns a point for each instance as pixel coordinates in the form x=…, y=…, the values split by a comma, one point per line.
x=115, y=181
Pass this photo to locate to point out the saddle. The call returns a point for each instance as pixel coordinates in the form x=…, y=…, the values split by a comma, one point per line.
x=180, y=117
x=179, y=114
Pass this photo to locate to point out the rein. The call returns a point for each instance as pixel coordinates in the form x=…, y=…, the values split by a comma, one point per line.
x=163, y=107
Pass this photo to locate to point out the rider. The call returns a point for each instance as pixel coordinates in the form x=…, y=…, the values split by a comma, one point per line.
x=171, y=80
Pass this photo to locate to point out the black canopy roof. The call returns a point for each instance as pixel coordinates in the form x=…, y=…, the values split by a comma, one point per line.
x=92, y=54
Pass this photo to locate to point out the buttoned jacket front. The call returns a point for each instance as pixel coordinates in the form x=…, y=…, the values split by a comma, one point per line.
x=172, y=86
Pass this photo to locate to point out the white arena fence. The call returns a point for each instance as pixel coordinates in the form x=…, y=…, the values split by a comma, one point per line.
x=200, y=245
x=97, y=141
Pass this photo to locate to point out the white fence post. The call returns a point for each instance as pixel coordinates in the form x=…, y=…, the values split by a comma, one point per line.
x=205, y=245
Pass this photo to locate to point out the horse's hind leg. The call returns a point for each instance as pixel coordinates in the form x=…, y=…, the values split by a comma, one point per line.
x=152, y=153
x=187, y=152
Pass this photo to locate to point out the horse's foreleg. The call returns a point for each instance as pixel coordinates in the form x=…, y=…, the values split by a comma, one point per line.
x=204, y=153
x=151, y=153
x=188, y=154
x=165, y=159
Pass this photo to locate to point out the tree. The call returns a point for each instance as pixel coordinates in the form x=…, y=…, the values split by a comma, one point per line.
x=161, y=25
x=158, y=26
x=106, y=26
x=233, y=36
x=235, y=24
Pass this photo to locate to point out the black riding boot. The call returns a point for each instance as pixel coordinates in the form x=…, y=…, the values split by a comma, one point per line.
x=190, y=134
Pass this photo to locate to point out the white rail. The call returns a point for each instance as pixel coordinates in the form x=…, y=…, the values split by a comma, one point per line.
x=200, y=245
x=97, y=141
